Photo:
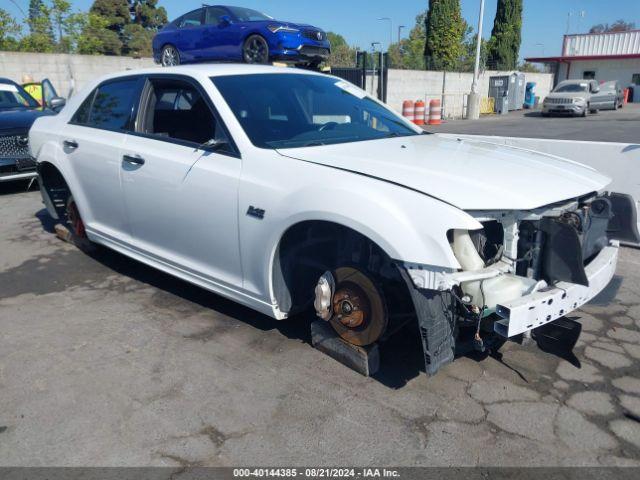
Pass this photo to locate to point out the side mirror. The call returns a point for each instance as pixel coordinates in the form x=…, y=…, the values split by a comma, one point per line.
x=225, y=21
x=56, y=103
x=595, y=89
x=214, y=144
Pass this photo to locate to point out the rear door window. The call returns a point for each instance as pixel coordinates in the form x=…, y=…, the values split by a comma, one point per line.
x=175, y=110
x=112, y=104
x=192, y=19
x=213, y=16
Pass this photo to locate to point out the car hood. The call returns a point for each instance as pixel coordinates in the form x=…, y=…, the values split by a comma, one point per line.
x=290, y=24
x=19, y=119
x=471, y=175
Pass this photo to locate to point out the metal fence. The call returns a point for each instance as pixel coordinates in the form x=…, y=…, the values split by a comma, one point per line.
x=367, y=74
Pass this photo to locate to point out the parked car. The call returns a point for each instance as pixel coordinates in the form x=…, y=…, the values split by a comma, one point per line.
x=238, y=34
x=44, y=93
x=281, y=188
x=610, y=96
x=573, y=97
x=18, y=111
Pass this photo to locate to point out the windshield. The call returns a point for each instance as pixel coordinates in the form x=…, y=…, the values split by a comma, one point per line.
x=248, y=15
x=293, y=110
x=14, y=96
x=572, y=87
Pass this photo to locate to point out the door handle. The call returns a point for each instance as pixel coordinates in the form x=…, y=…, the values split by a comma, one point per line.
x=70, y=144
x=134, y=159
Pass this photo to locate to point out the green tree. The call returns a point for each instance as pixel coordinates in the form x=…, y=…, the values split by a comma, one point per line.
x=10, y=30
x=617, y=26
x=114, y=12
x=504, y=44
x=409, y=53
x=468, y=59
x=35, y=10
x=67, y=25
x=529, y=67
x=137, y=40
x=445, y=31
x=97, y=38
x=147, y=14
x=41, y=37
x=342, y=55
x=73, y=28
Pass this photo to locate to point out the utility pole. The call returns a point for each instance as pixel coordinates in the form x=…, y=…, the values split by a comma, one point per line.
x=473, y=101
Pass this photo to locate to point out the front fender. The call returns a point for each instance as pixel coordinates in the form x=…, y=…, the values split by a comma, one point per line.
x=409, y=226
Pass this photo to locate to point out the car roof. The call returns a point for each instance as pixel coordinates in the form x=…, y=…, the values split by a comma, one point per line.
x=213, y=70
x=7, y=80
x=579, y=80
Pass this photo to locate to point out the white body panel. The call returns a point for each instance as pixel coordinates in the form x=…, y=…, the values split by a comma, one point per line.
x=539, y=308
x=185, y=210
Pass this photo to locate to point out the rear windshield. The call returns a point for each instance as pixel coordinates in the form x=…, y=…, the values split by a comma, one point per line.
x=288, y=110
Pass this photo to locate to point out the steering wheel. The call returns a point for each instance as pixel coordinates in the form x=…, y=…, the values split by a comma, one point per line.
x=328, y=126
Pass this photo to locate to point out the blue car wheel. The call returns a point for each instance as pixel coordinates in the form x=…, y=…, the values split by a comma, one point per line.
x=169, y=56
x=255, y=50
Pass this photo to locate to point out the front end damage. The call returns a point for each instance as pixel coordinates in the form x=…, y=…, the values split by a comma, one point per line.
x=522, y=270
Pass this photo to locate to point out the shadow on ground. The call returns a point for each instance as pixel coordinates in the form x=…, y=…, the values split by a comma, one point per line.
x=401, y=355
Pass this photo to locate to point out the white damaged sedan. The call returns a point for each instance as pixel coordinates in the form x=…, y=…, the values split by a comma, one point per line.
x=282, y=189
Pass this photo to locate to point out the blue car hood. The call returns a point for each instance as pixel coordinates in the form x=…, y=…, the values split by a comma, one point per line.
x=20, y=119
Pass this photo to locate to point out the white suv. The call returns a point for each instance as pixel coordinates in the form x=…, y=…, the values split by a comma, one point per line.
x=280, y=188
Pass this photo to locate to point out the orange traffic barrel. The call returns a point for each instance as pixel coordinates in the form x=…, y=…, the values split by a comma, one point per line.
x=419, y=113
x=435, y=112
x=408, y=110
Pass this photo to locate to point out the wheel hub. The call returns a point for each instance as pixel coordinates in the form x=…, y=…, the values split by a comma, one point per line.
x=350, y=306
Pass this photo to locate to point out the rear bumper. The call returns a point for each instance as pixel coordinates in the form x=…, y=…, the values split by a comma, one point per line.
x=546, y=305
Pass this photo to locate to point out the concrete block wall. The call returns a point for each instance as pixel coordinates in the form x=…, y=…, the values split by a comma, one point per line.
x=62, y=68
x=427, y=85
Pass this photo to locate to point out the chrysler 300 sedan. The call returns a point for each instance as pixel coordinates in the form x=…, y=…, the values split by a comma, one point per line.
x=282, y=189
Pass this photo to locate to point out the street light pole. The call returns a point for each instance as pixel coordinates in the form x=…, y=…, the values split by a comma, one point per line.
x=473, y=102
x=476, y=67
x=400, y=27
x=390, y=30
x=373, y=64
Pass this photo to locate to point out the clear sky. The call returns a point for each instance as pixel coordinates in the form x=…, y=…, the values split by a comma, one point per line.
x=544, y=21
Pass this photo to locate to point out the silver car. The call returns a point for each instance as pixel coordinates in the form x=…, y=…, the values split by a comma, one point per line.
x=610, y=96
x=573, y=97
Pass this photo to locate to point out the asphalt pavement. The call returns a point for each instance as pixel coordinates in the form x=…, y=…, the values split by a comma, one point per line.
x=107, y=362
x=621, y=125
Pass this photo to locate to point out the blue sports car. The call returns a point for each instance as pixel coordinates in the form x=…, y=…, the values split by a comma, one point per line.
x=224, y=33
